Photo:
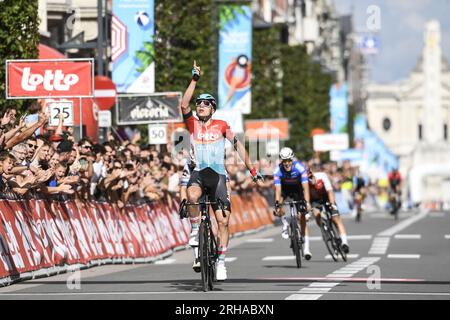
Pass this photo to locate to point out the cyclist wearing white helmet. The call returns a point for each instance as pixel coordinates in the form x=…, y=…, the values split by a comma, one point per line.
x=291, y=181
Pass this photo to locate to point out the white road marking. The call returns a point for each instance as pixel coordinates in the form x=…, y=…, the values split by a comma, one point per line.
x=265, y=240
x=341, y=273
x=230, y=259
x=278, y=258
x=404, y=256
x=323, y=284
x=403, y=225
x=304, y=297
x=165, y=261
x=360, y=237
x=379, y=245
x=408, y=236
x=349, y=256
x=447, y=236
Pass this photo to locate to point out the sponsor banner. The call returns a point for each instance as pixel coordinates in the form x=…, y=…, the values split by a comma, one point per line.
x=330, y=142
x=49, y=78
x=145, y=109
x=235, y=57
x=41, y=234
x=267, y=129
x=339, y=108
x=132, y=47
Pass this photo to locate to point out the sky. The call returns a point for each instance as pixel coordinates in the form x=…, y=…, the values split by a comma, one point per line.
x=401, y=34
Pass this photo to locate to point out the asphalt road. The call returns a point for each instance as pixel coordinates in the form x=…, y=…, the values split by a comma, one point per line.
x=405, y=259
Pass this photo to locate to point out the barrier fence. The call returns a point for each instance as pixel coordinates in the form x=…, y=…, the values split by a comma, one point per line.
x=45, y=237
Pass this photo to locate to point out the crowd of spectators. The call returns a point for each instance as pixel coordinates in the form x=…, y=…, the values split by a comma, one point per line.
x=38, y=161
x=41, y=161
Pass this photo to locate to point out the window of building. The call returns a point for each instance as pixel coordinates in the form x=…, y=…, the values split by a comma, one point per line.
x=387, y=124
x=420, y=132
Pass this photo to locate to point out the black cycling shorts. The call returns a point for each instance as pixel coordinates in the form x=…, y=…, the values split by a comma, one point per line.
x=295, y=196
x=214, y=184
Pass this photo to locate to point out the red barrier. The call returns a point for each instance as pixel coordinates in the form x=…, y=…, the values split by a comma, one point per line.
x=41, y=234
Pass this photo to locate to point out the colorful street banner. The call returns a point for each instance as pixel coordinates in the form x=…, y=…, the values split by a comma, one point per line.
x=133, y=52
x=235, y=57
x=339, y=108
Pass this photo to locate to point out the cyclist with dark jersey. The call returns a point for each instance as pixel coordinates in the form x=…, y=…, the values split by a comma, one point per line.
x=207, y=138
x=291, y=181
x=359, y=184
x=395, y=181
x=322, y=192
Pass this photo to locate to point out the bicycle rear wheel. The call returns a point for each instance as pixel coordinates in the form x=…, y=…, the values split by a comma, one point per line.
x=295, y=241
x=204, y=255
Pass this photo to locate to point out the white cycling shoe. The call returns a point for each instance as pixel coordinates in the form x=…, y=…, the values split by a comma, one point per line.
x=196, y=265
x=221, y=271
x=307, y=254
x=285, y=233
x=193, y=238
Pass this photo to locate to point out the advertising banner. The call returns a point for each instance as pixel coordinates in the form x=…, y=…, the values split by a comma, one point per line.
x=145, y=109
x=133, y=51
x=235, y=57
x=339, y=108
x=49, y=78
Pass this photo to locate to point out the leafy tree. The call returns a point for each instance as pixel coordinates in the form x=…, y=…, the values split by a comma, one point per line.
x=183, y=33
x=266, y=74
x=19, y=39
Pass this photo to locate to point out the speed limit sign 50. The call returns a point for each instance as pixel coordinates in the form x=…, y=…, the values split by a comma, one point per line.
x=58, y=107
x=157, y=133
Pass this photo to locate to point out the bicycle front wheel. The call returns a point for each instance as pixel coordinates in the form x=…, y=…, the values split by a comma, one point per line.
x=338, y=243
x=296, y=242
x=328, y=239
x=204, y=254
x=212, y=253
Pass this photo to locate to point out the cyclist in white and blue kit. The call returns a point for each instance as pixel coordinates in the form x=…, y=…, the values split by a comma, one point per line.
x=291, y=181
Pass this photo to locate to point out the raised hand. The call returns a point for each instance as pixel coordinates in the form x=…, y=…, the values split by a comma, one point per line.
x=195, y=71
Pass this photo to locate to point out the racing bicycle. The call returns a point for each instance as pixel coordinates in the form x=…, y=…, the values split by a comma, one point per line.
x=330, y=233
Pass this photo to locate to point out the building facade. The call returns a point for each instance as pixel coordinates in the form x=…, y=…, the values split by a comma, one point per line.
x=413, y=116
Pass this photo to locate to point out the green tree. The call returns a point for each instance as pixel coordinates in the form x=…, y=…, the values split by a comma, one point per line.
x=19, y=39
x=183, y=32
x=266, y=74
x=305, y=97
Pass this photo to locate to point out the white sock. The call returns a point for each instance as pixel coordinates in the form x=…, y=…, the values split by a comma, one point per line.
x=195, y=252
x=306, y=243
x=344, y=239
x=285, y=222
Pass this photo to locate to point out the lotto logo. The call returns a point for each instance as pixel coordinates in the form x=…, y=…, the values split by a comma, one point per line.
x=208, y=136
x=50, y=78
x=56, y=80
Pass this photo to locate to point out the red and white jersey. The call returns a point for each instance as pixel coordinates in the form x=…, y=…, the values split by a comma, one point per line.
x=319, y=187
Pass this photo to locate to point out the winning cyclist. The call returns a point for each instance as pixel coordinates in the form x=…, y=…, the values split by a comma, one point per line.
x=291, y=181
x=208, y=145
x=321, y=192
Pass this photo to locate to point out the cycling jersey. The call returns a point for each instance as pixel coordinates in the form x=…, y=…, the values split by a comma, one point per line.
x=291, y=182
x=208, y=142
x=394, y=179
x=319, y=189
x=358, y=183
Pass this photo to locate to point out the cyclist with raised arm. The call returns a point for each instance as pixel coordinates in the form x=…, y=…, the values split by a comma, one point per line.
x=291, y=181
x=322, y=193
x=207, y=137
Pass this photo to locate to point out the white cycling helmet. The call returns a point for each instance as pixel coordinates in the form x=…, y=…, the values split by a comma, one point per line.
x=286, y=154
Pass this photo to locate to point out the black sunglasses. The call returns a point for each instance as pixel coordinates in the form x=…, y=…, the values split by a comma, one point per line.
x=33, y=146
x=205, y=103
x=87, y=147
